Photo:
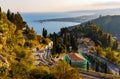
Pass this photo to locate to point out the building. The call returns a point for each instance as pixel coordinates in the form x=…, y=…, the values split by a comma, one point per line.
x=76, y=60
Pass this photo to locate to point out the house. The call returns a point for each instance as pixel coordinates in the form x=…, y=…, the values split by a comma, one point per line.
x=76, y=60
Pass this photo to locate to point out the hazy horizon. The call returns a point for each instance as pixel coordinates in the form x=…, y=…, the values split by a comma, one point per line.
x=57, y=5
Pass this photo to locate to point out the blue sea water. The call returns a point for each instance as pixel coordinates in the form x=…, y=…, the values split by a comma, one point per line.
x=50, y=26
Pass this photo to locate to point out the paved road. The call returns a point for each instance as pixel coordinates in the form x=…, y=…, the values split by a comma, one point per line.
x=111, y=66
x=88, y=76
x=40, y=53
x=96, y=75
x=44, y=56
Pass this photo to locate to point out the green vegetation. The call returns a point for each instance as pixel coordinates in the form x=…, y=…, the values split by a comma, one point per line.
x=0, y=9
x=98, y=66
x=16, y=19
x=109, y=24
x=64, y=42
x=16, y=60
x=99, y=51
x=70, y=39
x=60, y=71
x=95, y=33
x=92, y=31
x=112, y=56
x=64, y=71
x=105, y=45
x=58, y=45
x=17, y=40
x=44, y=33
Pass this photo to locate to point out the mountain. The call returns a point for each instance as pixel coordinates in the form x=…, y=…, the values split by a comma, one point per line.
x=114, y=11
x=110, y=24
x=79, y=19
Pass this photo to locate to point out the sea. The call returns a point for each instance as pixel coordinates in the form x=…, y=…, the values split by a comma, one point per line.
x=51, y=27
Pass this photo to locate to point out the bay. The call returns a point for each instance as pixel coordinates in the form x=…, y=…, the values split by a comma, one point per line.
x=50, y=26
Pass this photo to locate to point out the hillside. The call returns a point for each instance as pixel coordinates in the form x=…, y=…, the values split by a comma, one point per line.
x=110, y=24
x=17, y=43
x=15, y=50
x=14, y=56
x=114, y=11
x=78, y=19
x=88, y=15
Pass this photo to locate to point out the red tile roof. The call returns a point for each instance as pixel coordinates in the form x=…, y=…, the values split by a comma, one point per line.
x=75, y=57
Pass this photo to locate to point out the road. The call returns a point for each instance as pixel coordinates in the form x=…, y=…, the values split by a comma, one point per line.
x=96, y=75
x=111, y=66
x=44, y=56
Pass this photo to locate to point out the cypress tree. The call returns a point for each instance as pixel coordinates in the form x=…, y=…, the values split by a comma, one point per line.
x=54, y=43
x=115, y=45
x=105, y=70
x=13, y=18
x=97, y=66
x=87, y=66
x=0, y=9
x=74, y=43
x=0, y=13
x=8, y=14
x=65, y=40
x=109, y=39
x=44, y=33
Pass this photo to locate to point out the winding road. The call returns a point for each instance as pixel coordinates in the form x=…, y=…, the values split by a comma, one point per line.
x=114, y=69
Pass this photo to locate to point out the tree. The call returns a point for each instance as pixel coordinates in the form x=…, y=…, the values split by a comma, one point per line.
x=9, y=14
x=87, y=66
x=99, y=51
x=13, y=18
x=63, y=31
x=96, y=65
x=45, y=41
x=44, y=33
x=95, y=33
x=41, y=72
x=105, y=68
x=0, y=9
x=58, y=44
x=59, y=49
x=62, y=70
x=66, y=41
x=115, y=45
x=16, y=19
x=111, y=56
x=19, y=21
x=74, y=43
x=110, y=39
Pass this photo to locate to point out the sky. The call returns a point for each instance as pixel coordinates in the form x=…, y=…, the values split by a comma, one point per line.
x=57, y=5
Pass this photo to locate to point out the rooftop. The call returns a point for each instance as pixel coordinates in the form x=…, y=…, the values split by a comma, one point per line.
x=75, y=57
